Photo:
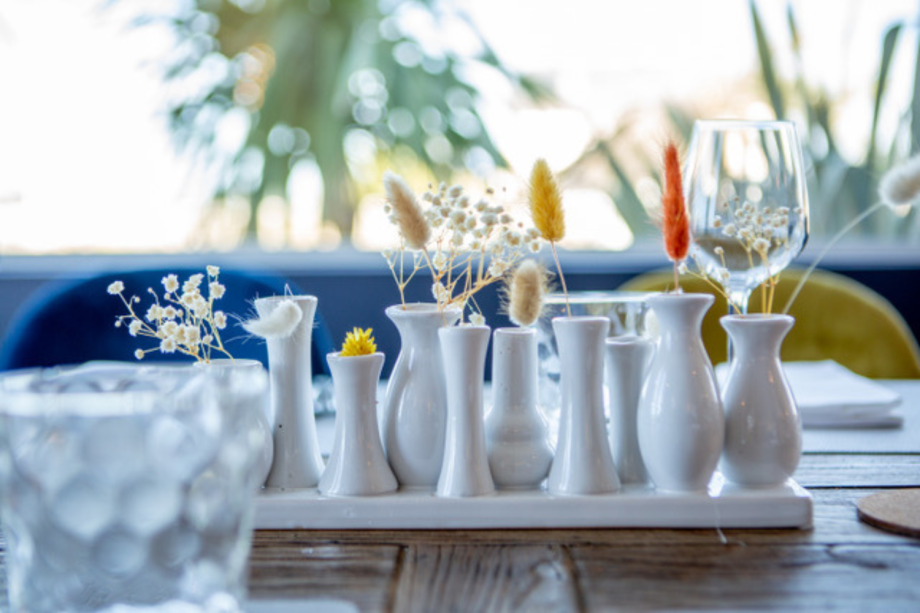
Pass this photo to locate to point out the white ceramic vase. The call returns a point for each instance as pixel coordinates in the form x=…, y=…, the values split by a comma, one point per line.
x=517, y=435
x=465, y=469
x=357, y=465
x=627, y=363
x=763, y=430
x=583, y=464
x=415, y=409
x=244, y=383
x=298, y=462
x=680, y=422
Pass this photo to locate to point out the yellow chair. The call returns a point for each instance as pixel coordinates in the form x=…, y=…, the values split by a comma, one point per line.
x=837, y=318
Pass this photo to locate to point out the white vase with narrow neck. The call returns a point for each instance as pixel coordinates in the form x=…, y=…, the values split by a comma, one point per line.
x=357, y=465
x=415, y=409
x=627, y=364
x=298, y=462
x=517, y=435
x=583, y=464
x=245, y=384
x=465, y=469
x=680, y=422
x=763, y=430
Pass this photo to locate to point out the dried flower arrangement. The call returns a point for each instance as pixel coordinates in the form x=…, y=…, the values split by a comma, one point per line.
x=358, y=342
x=280, y=323
x=185, y=322
x=465, y=245
x=548, y=214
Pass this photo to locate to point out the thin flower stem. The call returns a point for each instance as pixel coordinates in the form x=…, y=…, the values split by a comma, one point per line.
x=827, y=248
x=676, y=278
x=565, y=291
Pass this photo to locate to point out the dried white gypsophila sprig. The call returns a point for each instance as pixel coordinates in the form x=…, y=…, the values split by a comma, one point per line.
x=183, y=322
x=280, y=323
x=473, y=244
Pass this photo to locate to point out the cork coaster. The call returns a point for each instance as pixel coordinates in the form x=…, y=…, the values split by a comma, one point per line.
x=895, y=511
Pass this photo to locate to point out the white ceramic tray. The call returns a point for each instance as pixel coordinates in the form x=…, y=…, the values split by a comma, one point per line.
x=725, y=506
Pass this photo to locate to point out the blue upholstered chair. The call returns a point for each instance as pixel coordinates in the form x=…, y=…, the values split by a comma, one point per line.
x=73, y=321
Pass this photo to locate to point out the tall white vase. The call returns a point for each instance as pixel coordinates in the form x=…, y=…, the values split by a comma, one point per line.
x=357, y=465
x=517, y=435
x=583, y=464
x=465, y=469
x=415, y=409
x=627, y=364
x=680, y=422
x=763, y=430
x=245, y=384
x=298, y=462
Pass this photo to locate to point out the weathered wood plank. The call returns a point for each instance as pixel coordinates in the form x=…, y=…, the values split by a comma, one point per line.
x=486, y=578
x=287, y=567
x=859, y=470
x=808, y=577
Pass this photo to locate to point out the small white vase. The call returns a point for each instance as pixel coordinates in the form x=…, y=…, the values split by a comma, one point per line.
x=357, y=465
x=465, y=469
x=415, y=409
x=627, y=363
x=298, y=462
x=517, y=435
x=680, y=422
x=583, y=464
x=763, y=430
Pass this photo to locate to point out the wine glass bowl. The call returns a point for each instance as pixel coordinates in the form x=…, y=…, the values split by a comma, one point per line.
x=748, y=203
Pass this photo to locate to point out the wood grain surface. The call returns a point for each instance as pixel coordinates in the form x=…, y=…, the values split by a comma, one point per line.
x=842, y=564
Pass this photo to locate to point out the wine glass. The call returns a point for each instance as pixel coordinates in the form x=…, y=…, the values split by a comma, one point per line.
x=748, y=202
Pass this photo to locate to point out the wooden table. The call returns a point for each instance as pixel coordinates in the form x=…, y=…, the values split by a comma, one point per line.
x=841, y=564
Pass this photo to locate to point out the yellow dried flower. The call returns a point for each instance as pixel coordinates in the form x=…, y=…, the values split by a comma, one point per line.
x=525, y=293
x=358, y=342
x=546, y=202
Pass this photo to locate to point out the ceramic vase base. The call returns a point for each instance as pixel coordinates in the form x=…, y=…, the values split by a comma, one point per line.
x=723, y=506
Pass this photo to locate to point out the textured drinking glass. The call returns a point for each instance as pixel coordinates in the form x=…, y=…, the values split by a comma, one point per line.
x=126, y=488
x=744, y=182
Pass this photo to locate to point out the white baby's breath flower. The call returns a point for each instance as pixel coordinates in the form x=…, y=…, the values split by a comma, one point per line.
x=477, y=319
x=168, y=345
x=216, y=290
x=200, y=307
x=193, y=283
x=169, y=328
x=213, y=271
x=115, y=287
x=439, y=260
x=761, y=246
x=481, y=206
x=171, y=283
x=220, y=320
x=682, y=268
x=730, y=229
x=535, y=246
x=719, y=251
x=170, y=312
x=139, y=354
x=192, y=335
x=455, y=191
x=134, y=327
x=154, y=313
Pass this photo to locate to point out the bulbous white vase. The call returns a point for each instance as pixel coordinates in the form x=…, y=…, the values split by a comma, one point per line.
x=763, y=430
x=415, y=409
x=517, y=435
x=298, y=462
x=583, y=464
x=627, y=364
x=465, y=469
x=357, y=465
x=680, y=423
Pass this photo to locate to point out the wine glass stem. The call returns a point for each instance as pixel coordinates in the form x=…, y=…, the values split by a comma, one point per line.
x=738, y=305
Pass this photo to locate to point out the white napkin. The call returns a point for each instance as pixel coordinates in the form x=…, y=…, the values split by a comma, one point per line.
x=829, y=395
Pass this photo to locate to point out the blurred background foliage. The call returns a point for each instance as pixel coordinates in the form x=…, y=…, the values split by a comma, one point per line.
x=331, y=84
x=350, y=87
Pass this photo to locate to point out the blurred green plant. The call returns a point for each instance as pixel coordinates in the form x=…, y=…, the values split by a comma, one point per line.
x=331, y=83
x=839, y=189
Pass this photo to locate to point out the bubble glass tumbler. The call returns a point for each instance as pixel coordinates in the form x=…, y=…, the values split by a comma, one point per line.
x=126, y=488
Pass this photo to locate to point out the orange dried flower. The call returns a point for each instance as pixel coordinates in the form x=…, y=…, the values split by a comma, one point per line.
x=675, y=223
